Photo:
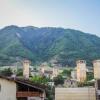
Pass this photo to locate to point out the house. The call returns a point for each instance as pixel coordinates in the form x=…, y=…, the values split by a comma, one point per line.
x=49, y=72
x=51, y=84
x=20, y=89
x=13, y=68
x=74, y=74
x=97, y=88
x=34, y=73
x=70, y=83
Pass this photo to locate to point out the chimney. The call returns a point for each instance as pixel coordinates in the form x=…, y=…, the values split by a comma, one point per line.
x=26, y=65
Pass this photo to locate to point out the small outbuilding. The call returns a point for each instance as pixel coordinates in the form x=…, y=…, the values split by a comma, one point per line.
x=20, y=89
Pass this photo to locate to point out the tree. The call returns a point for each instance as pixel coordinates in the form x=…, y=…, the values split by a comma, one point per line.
x=90, y=76
x=6, y=72
x=67, y=72
x=50, y=93
x=19, y=72
x=58, y=80
x=40, y=79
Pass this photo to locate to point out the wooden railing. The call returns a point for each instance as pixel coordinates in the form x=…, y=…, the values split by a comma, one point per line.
x=28, y=94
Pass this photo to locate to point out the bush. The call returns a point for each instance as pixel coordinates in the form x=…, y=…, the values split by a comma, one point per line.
x=6, y=72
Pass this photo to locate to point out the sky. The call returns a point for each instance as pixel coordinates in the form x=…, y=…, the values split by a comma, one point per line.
x=81, y=15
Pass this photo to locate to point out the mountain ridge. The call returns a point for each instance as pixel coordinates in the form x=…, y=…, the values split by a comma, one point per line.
x=46, y=43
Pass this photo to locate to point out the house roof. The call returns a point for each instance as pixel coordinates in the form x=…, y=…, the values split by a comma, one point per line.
x=48, y=71
x=26, y=82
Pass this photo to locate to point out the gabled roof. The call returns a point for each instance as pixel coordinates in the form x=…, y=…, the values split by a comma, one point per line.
x=26, y=82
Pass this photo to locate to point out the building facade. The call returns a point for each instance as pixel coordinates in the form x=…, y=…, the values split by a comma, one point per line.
x=49, y=72
x=7, y=89
x=74, y=74
x=75, y=94
x=26, y=65
x=20, y=89
x=97, y=88
x=96, y=66
x=81, y=70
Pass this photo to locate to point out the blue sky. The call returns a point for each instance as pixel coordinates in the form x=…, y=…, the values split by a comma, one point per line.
x=82, y=15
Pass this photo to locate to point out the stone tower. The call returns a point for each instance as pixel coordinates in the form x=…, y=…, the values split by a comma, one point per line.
x=26, y=65
x=55, y=72
x=96, y=65
x=81, y=70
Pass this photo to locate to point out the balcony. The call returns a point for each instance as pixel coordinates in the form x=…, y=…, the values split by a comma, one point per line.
x=28, y=94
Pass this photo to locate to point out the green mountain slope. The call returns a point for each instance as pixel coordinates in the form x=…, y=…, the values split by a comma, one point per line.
x=44, y=44
x=11, y=49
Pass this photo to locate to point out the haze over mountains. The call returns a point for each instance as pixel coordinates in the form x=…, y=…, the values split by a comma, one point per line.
x=44, y=44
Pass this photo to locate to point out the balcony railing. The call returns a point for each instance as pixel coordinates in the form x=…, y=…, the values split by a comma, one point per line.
x=28, y=94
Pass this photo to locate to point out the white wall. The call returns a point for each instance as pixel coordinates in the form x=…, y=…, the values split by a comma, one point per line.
x=81, y=71
x=8, y=90
x=34, y=98
x=26, y=65
x=75, y=94
x=96, y=65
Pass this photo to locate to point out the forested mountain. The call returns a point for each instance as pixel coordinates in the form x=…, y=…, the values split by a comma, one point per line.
x=44, y=44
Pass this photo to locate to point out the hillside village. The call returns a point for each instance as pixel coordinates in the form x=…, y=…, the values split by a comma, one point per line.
x=49, y=49
x=54, y=78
